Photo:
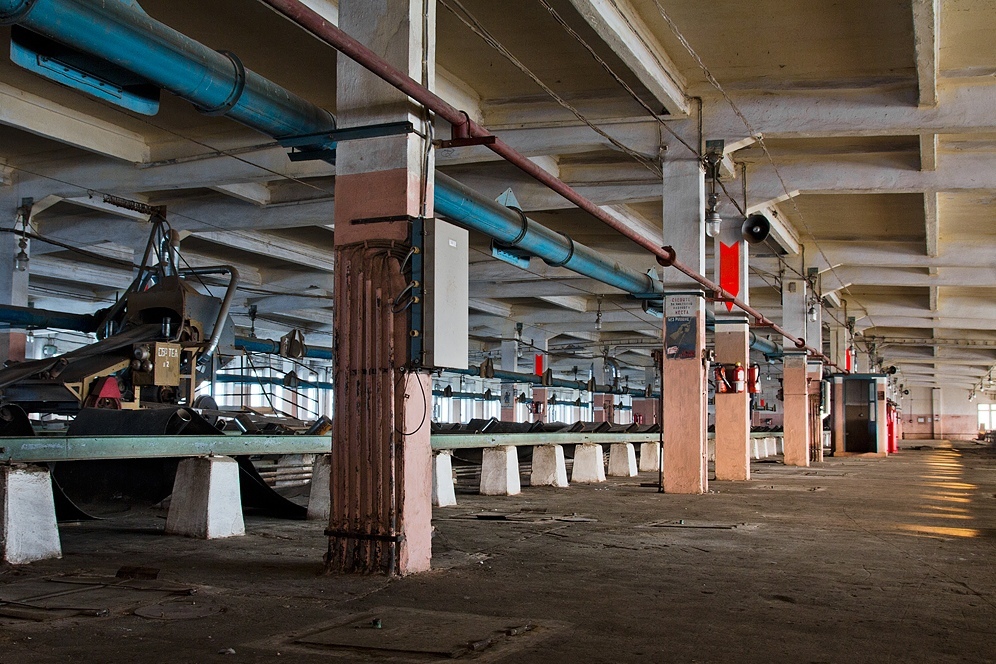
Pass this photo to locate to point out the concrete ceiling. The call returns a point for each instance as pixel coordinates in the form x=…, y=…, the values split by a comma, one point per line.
x=877, y=116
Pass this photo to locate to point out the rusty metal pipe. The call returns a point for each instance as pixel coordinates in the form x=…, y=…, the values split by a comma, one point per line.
x=345, y=44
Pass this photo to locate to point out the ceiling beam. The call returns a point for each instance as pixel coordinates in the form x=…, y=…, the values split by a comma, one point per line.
x=257, y=193
x=926, y=46
x=46, y=118
x=273, y=246
x=620, y=26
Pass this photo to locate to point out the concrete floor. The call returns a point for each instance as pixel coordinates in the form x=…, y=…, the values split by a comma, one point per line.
x=855, y=560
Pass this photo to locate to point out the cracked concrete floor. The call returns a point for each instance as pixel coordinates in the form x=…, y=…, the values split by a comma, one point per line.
x=854, y=560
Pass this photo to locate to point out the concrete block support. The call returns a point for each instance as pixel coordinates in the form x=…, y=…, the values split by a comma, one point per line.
x=650, y=457
x=206, y=501
x=320, y=496
x=549, y=466
x=27, y=519
x=500, y=471
x=589, y=464
x=622, y=460
x=443, y=491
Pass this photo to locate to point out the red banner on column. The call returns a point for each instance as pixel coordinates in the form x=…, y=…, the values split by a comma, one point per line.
x=539, y=364
x=729, y=269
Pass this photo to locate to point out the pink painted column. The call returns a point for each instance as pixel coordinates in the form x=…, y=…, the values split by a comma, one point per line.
x=795, y=384
x=604, y=408
x=645, y=411
x=684, y=386
x=381, y=484
x=795, y=388
x=13, y=289
x=540, y=405
x=732, y=408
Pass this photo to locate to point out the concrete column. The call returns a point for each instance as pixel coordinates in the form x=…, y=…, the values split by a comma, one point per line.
x=382, y=461
x=541, y=396
x=795, y=386
x=604, y=408
x=684, y=386
x=936, y=427
x=732, y=408
x=509, y=362
x=206, y=501
x=28, y=530
x=13, y=291
x=645, y=411
x=838, y=428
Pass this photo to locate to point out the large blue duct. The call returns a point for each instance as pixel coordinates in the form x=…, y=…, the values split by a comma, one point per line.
x=121, y=33
x=466, y=207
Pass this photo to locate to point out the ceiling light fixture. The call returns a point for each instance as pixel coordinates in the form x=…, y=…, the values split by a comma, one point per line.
x=713, y=157
x=598, y=315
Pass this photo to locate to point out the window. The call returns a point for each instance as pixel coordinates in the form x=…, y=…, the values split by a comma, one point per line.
x=987, y=416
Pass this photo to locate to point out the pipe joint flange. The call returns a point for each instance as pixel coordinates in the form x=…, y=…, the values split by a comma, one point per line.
x=800, y=343
x=237, y=89
x=17, y=13
x=570, y=253
x=670, y=255
x=523, y=228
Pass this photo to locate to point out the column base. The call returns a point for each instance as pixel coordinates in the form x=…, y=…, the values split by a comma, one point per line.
x=500, y=471
x=320, y=496
x=589, y=465
x=549, y=466
x=622, y=460
x=27, y=518
x=206, y=502
x=443, y=490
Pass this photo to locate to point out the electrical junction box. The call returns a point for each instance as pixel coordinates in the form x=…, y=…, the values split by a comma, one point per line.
x=447, y=295
x=159, y=364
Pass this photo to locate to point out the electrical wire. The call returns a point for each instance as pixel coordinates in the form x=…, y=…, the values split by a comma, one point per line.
x=468, y=19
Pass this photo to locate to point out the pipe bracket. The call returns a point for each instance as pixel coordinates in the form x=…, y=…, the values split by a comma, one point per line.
x=570, y=253
x=240, y=86
x=800, y=343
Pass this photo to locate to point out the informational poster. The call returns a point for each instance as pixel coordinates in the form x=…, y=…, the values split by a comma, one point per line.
x=507, y=395
x=680, y=327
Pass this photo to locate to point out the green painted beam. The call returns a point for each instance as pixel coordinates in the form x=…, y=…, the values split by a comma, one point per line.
x=457, y=441
x=40, y=449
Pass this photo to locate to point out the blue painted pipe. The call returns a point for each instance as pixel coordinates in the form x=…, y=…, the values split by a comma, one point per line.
x=120, y=32
x=269, y=380
x=27, y=317
x=254, y=345
x=466, y=207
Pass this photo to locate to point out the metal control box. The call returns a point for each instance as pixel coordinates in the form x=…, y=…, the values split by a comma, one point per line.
x=160, y=368
x=446, y=295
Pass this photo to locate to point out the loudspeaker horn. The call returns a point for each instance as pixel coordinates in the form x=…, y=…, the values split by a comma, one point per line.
x=756, y=228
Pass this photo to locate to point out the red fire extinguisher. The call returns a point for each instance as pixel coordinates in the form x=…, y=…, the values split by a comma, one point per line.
x=722, y=385
x=739, y=378
x=754, y=379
